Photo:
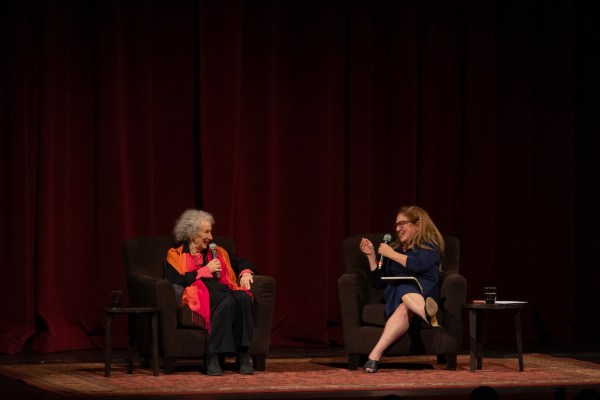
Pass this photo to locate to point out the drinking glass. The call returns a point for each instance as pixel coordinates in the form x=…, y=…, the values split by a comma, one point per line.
x=116, y=298
x=489, y=294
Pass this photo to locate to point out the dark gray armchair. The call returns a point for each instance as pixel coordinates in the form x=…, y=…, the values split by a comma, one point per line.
x=178, y=337
x=363, y=315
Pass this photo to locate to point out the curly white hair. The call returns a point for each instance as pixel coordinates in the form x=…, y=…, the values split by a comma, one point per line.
x=188, y=224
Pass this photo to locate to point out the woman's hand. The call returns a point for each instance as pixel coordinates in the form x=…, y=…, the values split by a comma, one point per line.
x=246, y=280
x=214, y=265
x=366, y=247
x=386, y=250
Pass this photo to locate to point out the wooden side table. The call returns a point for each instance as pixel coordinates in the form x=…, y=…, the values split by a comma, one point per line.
x=132, y=313
x=476, y=312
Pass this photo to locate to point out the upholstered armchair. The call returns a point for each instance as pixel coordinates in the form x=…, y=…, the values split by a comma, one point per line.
x=178, y=337
x=363, y=316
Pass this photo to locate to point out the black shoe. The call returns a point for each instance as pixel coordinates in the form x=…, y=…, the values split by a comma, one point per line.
x=213, y=367
x=371, y=366
x=244, y=363
x=431, y=309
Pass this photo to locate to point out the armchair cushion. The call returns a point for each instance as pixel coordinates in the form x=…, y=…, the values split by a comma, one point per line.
x=184, y=318
x=374, y=314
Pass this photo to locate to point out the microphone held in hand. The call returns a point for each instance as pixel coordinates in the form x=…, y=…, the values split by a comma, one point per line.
x=387, y=238
x=213, y=249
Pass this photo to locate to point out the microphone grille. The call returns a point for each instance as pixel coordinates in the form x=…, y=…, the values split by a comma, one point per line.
x=387, y=237
x=212, y=246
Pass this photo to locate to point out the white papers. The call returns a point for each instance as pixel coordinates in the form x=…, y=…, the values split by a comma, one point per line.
x=404, y=278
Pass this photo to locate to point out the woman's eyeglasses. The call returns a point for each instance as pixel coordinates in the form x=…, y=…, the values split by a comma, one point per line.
x=400, y=224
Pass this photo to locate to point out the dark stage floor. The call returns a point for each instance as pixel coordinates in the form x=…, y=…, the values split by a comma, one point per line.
x=13, y=389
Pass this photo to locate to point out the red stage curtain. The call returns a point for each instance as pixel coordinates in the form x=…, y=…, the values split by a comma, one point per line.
x=296, y=123
x=99, y=110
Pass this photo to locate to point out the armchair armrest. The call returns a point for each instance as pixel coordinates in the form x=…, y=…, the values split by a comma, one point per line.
x=149, y=291
x=141, y=290
x=454, y=295
x=351, y=302
x=263, y=290
x=353, y=291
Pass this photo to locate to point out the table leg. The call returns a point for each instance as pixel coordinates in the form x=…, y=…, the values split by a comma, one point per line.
x=108, y=345
x=155, y=343
x=519, y=338
x=472, y=339
x=479, y=328
x=131, y=323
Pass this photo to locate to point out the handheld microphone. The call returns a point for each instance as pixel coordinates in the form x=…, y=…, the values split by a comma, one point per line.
x=387, y=238
x=213, y=249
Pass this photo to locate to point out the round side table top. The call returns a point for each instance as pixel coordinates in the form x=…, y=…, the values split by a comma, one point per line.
x=498, y=305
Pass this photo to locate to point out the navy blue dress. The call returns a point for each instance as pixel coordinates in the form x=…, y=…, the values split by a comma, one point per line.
x=421, y=263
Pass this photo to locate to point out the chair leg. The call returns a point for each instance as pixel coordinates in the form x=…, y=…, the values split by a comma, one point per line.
x=145, y=362
x=451, y=364
x=169, y=365
x=259, y=361
x=353, y=361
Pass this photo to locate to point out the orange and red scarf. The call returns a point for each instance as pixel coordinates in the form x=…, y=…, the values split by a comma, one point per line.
x=196, y=296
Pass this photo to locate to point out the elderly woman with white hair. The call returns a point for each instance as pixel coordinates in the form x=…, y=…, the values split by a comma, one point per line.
x=205, y=278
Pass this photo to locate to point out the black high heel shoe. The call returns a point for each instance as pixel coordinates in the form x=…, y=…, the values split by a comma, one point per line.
x=431, y=309
x=371, y=366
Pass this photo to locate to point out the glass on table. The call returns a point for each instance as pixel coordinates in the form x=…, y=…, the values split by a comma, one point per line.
x=490, y=294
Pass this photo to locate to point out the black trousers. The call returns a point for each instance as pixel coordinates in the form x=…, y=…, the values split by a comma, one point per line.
x=231, y=321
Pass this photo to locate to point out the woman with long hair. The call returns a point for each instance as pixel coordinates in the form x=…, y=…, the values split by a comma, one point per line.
x=415, y=255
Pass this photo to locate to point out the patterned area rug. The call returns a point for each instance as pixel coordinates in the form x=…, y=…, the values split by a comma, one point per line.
x=307, y=375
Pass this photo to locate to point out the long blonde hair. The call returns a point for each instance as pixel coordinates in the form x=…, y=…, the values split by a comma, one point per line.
x=428, y=234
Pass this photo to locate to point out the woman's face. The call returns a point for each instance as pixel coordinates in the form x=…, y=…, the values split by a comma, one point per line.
x=204, y=236
x=406, y=228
